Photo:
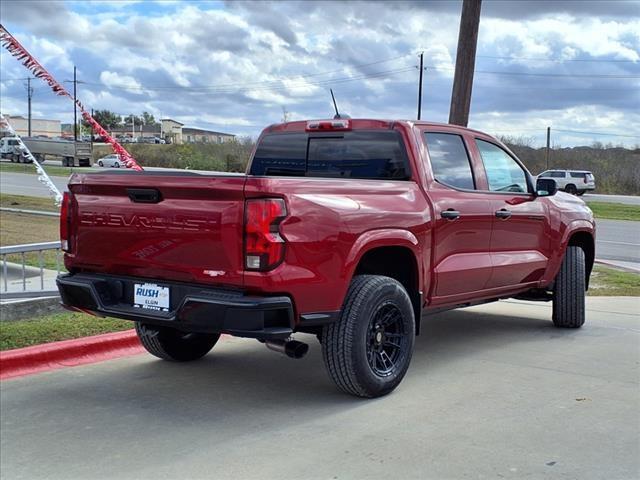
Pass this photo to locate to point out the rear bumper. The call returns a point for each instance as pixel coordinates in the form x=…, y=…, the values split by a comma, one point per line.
x=193, y=308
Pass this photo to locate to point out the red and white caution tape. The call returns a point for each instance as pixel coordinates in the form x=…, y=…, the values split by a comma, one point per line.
x=14, y=47
x=24, y=151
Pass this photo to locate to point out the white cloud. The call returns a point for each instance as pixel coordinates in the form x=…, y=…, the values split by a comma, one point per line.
x=114, y=79
x=214, y=65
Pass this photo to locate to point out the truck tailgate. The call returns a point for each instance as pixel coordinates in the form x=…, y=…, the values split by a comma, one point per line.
x=167, y=225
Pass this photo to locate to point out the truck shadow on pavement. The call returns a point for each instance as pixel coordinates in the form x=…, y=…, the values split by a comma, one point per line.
x=241, y=375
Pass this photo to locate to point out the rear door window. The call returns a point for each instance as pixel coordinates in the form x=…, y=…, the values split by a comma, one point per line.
x=283, y=154
x=449, y=160
x=362, y=154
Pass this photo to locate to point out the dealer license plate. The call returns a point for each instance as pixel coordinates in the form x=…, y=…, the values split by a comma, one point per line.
x=151, y=296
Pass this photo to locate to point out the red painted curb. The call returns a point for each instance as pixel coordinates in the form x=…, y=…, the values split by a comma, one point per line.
x=68, y=353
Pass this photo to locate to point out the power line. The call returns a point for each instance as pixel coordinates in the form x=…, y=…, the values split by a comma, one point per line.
x=596, y=133
x=274, y=86
x=558, y=60
x=236, y=85
x=541, y=132
x=532, y=74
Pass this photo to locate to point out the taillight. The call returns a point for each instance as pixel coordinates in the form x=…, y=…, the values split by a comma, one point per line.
x=263, y=245
x=328, y=125
x=65, y=221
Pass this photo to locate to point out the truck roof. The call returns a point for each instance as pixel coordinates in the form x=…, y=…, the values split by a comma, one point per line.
x=362, y=123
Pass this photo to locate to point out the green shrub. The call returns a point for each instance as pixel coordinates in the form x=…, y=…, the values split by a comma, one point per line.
x=230, y=156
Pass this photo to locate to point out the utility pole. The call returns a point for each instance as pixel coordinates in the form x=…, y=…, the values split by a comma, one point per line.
x=75, y=109
x=29, y=95
x=420, y=86
x=465, y=62
x=547, y=152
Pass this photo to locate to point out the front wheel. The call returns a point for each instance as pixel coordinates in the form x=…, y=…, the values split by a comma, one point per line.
x=368, y=350
x=100, y=163
x=569, y=290
x=571, y=189
x=174, y=345
x=116, y=165
x=580, y=192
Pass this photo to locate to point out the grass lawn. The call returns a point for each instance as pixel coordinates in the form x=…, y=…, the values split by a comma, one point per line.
x=55, y=327
x=611, y=282
x=615, y=211
x=28, y=203
x=18, y=228
x=50, y=169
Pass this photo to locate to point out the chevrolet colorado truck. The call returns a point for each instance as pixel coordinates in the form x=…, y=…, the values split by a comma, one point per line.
x=352, y=230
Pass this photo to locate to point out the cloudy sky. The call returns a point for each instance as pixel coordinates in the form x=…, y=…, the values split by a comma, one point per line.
x=234, y=66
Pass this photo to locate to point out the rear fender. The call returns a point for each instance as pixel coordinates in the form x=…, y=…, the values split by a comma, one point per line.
x=373, y=239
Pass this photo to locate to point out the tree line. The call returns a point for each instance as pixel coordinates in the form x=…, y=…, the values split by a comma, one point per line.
x=110, y=120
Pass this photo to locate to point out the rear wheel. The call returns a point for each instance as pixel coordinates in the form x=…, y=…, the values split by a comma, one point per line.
x=571, y=188
x=174, y=345
x=569, y=290
x=117, y=165
x=368, y=351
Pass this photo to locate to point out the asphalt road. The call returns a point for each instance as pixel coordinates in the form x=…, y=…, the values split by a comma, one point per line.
x=618, y=240
x=28, y=184
x=493, y=392
x=628, y=199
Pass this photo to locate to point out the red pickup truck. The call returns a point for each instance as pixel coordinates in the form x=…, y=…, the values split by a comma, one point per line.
x=349, y=229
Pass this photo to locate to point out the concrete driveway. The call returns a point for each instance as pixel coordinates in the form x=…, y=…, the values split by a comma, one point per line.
x=493, y=392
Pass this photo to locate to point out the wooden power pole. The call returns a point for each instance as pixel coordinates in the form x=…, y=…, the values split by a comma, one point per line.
x=465, y=62
x=75, y=109
x=420, y=86
x=548, y=150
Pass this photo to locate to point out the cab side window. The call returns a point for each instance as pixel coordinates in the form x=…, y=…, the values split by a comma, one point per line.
x=504, y=174
x=449, y=160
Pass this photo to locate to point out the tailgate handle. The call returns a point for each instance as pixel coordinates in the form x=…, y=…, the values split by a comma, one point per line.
x=144, y=195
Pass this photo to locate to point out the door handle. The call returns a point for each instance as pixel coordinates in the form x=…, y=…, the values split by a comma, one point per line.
x=503, y=213
x=450, y=214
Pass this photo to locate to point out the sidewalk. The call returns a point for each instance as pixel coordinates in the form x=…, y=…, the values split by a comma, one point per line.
x=33, y=281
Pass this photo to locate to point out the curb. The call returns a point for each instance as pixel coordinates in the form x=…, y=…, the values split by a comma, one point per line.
x=68, y=353
x=614, y=264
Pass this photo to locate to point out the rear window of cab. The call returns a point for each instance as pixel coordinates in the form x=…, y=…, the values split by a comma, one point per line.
x=375, y=154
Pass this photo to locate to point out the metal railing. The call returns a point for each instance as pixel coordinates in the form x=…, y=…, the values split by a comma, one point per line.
x=22, y=279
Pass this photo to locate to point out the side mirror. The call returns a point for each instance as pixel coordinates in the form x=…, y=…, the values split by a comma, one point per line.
x=546, y=187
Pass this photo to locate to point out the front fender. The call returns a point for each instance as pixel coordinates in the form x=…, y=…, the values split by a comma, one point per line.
x=573, y=227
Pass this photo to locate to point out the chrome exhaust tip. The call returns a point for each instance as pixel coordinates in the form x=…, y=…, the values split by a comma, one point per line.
x=290, y=348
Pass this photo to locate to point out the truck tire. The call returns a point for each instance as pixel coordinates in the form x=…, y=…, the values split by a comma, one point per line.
x=569, y=290
x=368, y=350
x=571, y=188
x=174, y=345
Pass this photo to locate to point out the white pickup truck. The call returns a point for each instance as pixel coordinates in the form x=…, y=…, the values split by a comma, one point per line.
x=72, y=154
